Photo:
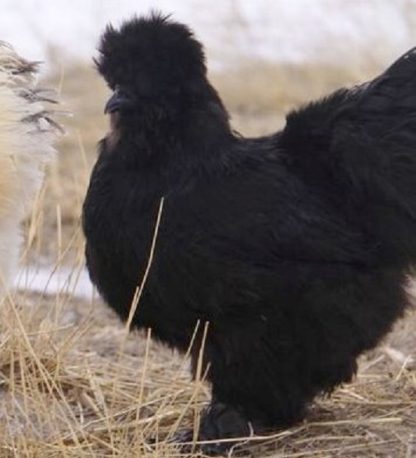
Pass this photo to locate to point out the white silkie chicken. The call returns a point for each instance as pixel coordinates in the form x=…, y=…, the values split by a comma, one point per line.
x=26, y=136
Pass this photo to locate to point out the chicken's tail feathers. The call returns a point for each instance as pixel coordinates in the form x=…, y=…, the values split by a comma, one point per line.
x=403, y=64
x=391, y=93
x=363, y=141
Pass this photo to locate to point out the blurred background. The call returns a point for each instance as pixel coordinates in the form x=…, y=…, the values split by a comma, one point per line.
x=331, y=31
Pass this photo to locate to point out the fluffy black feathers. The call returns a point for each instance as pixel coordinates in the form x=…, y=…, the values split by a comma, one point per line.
x=155, y=54
x=294, y=247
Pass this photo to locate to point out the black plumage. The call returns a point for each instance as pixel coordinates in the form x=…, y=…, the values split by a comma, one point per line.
x=295, y=247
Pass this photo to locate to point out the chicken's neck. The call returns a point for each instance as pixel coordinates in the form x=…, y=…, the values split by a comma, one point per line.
x=183, y=142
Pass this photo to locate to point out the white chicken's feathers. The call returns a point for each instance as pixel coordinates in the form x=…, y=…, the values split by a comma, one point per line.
x=27, y=132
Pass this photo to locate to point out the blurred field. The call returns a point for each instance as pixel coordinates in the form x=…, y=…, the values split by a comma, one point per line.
x=75, y=383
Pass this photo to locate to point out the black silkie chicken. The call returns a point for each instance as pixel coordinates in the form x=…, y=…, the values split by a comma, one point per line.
x=294, y=247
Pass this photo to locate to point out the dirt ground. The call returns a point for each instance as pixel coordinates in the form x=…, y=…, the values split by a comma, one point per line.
x=75, y=383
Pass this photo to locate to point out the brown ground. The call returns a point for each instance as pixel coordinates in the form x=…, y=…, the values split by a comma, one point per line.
x=74, y=383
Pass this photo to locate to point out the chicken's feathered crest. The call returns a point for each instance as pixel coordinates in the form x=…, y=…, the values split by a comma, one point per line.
x=152, y=51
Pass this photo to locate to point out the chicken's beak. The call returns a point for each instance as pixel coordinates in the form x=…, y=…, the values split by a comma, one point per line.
x=118, y=101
